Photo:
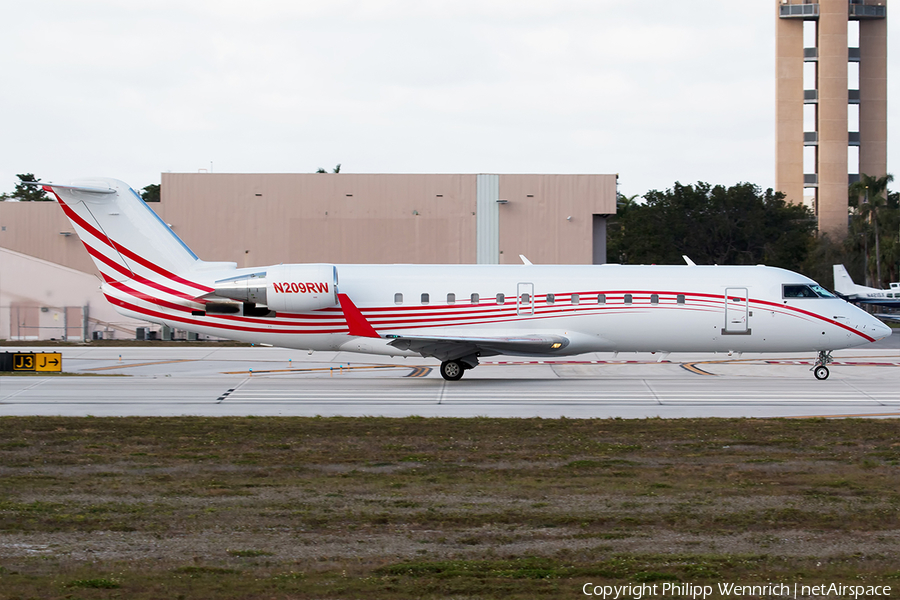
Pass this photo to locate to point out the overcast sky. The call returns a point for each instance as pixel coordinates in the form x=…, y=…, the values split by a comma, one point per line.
x=657, y=90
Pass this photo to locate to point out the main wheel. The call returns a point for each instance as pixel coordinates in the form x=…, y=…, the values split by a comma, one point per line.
x=452, y=370
x=821, y=372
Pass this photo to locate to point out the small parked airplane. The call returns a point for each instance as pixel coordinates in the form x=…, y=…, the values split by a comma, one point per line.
x=848, y=290
x=455, y=313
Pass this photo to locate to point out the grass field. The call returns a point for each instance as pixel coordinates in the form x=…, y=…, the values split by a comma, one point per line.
x=440, y=508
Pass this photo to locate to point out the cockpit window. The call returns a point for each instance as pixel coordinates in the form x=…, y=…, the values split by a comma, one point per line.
x=806, y=291
x=822, y=292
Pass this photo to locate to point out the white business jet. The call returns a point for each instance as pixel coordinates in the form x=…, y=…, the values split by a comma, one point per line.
x=455, y=313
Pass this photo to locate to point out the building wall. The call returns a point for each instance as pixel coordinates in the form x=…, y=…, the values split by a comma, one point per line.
x=258, y=219
x=873, y=97
x=549, y=218
x=350, y=218
x=789, y=107
x=37, y=229
x=832, y=83
x=43, y=300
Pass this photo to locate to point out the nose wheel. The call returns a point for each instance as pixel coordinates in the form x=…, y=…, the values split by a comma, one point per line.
x=819, y=369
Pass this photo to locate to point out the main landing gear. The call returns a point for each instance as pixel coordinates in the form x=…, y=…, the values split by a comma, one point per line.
x=452, y=370
x=819, y=369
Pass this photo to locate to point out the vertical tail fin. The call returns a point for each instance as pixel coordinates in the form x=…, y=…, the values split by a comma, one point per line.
x=123, y=236
x=843, y=284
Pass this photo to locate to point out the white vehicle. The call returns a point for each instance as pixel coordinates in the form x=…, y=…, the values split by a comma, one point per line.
x=455, y=313
x=845, y=288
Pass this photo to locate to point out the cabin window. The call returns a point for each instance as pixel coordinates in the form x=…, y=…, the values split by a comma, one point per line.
x=501, y=298
x=475, y=298
x=654, y=298
x=526, y=298
x=551, y=298
x=451, y=298
x=679, y=299
x=628, y=298
x=576, y=299
x=425, y=298
x=601, y=298
x=398, y=298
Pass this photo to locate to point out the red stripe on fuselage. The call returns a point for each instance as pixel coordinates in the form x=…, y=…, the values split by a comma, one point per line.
x=172, y=317
x=427, y=322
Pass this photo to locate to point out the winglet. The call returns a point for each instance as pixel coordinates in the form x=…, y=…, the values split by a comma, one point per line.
x=355, y=321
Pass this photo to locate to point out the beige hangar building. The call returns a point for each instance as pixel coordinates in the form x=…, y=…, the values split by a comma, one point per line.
x=49, y=287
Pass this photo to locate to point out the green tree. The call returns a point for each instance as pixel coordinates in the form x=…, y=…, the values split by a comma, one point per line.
x=150, y=193
x=869, y=195
x=623, y=202
x=712, y=225
x=337, y=169
x=29, y=193
x=889, y=238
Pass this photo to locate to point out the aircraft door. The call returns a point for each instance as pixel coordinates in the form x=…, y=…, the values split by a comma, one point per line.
x=525, y=299
x=737, y=311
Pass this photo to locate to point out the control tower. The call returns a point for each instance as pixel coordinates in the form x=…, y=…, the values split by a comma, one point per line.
x=831, y=102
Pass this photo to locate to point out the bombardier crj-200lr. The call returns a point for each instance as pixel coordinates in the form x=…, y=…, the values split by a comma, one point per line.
x=455, y=313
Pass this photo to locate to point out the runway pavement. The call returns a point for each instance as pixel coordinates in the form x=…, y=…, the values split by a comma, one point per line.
x=215, y=381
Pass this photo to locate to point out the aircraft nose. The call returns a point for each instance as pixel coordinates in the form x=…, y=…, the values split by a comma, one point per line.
x=882, y=331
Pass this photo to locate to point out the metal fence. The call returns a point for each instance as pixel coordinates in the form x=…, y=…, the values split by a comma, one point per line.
x=74, y=323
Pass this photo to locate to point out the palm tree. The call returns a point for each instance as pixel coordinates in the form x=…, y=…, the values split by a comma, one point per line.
x=873, y=192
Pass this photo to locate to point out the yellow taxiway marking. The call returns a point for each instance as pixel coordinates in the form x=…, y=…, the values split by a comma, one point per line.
x=419, y=372
x=693, y=368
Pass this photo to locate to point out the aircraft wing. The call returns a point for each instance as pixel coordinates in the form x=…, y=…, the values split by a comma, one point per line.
x=451, y=348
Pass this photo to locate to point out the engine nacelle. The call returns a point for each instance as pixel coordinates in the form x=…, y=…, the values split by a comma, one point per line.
x=301, y=288
x=284, y=288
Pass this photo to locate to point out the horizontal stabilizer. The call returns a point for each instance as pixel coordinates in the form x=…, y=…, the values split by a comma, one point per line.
x=49, y=187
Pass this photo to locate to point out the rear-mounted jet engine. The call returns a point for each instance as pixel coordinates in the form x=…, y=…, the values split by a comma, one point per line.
x=284, y=288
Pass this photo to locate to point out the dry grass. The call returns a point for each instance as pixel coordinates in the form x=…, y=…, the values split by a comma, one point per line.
x=413, y=508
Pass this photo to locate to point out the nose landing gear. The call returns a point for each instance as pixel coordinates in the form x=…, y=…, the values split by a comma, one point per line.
x=819, y=369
